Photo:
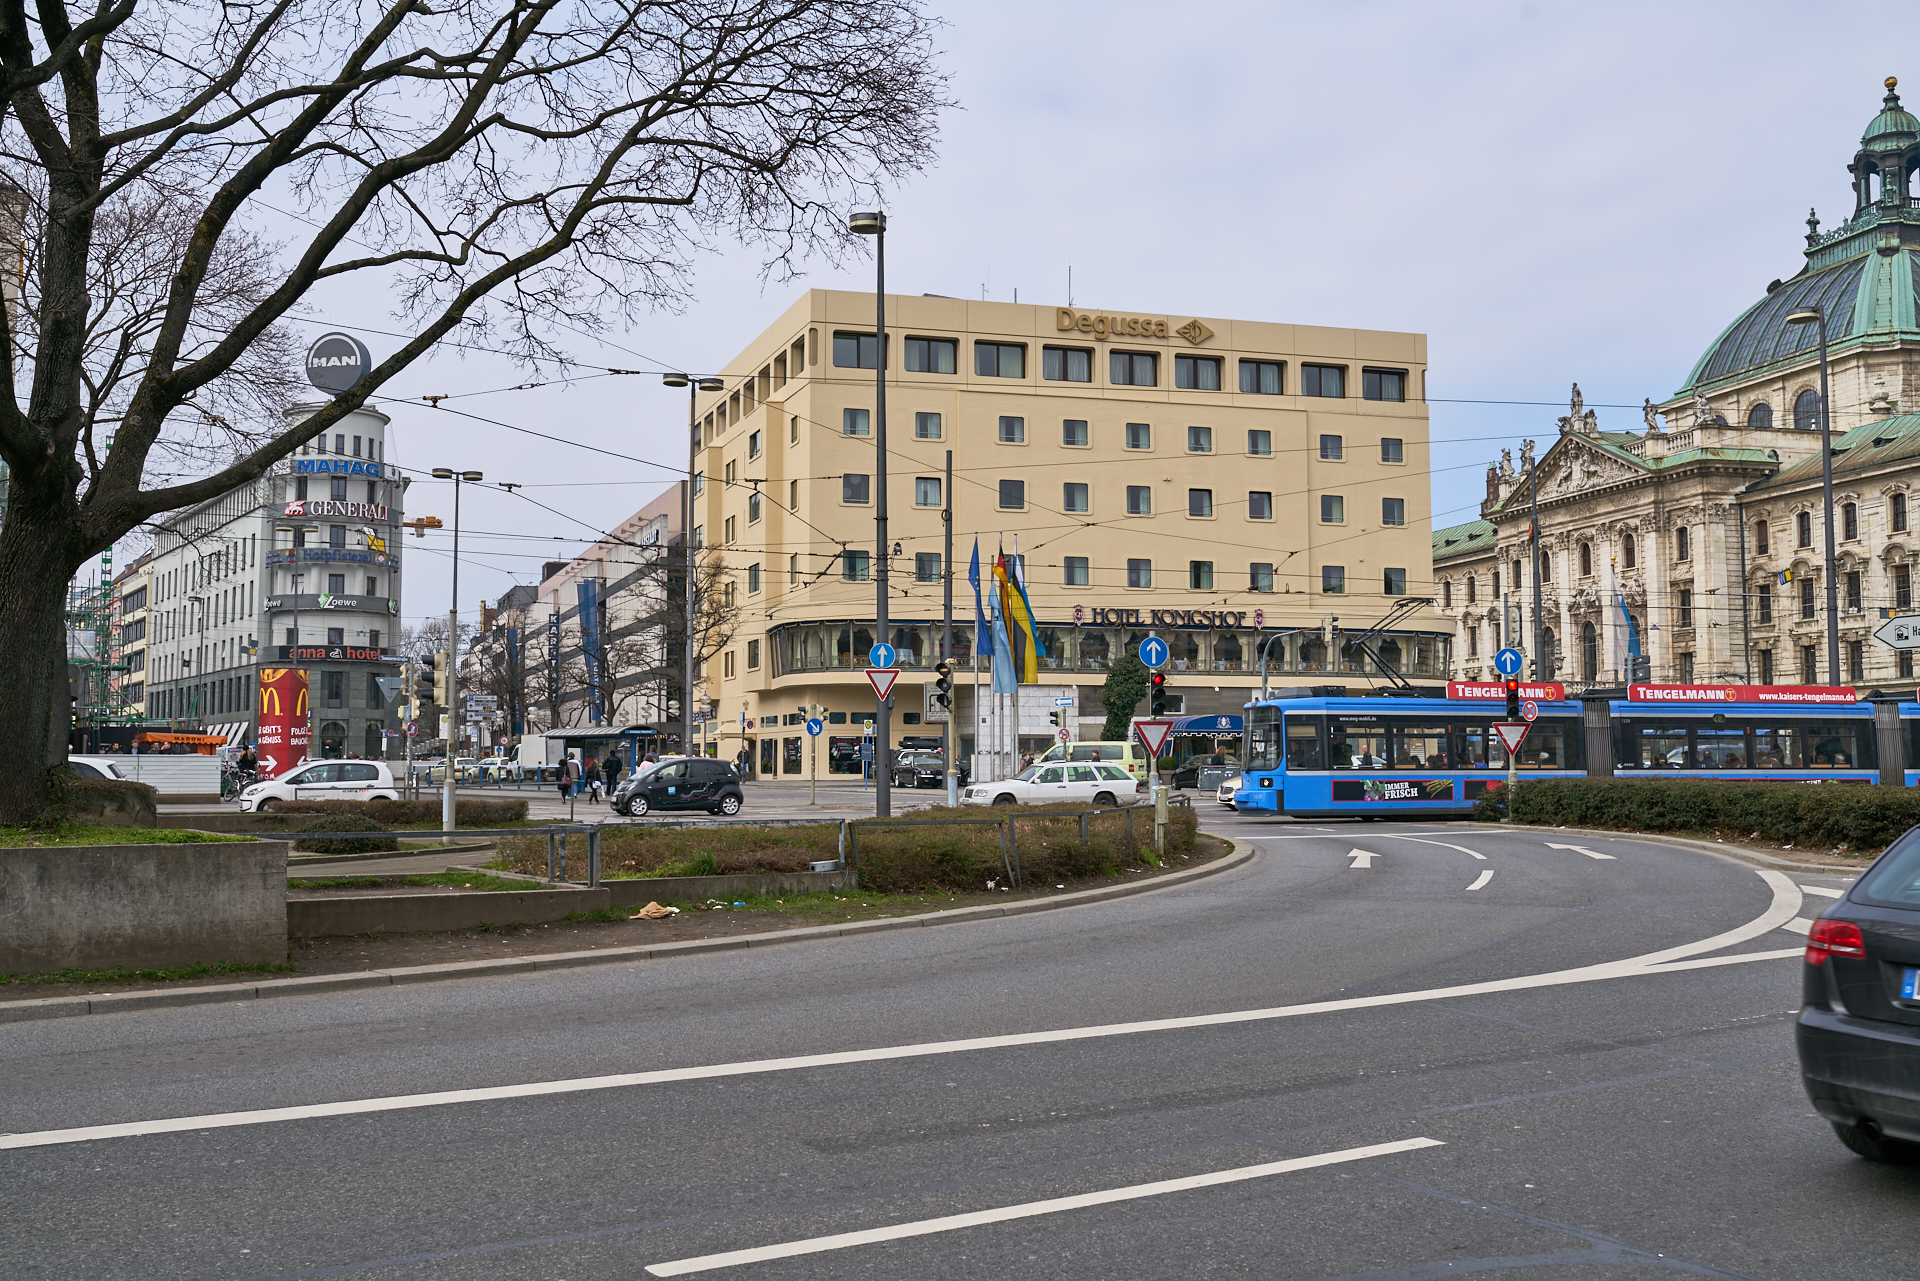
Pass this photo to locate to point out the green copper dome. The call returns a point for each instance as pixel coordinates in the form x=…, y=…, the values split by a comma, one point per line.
x=1895, y=126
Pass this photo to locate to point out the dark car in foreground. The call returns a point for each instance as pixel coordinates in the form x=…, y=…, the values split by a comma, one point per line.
x=1859, y=1030
x=923, y=769
x=681, y=783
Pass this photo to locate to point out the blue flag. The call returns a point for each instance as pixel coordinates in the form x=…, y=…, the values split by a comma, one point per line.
x=982, y=638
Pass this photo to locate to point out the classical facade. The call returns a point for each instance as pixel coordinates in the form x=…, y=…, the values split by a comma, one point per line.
x=1700, y=540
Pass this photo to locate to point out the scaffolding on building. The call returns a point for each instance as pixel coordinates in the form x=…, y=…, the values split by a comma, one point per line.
x=95, y=666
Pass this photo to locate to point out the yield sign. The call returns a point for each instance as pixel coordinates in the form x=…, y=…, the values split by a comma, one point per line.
x=1153, y=735
x=1511, y=734
x=882, y=679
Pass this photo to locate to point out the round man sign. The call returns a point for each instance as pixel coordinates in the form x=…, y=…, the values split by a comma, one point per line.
x=336, y=362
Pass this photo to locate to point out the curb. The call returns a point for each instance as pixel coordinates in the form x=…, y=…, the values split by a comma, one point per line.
x=58, y=1007
x=1738, y=852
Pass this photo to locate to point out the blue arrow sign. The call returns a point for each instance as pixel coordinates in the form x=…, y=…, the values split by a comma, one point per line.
x=1508, y=661
x=813, y=725
x=1154, y=652
x=882, y=655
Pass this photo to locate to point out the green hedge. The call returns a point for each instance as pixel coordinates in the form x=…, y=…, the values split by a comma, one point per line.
x=396, y=814
x=348, y=844
x=1858, y=816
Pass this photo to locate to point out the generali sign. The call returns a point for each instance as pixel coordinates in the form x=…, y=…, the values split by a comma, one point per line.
x=1110, y=326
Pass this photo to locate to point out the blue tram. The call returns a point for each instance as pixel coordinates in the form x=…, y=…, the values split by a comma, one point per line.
x=1372, y=756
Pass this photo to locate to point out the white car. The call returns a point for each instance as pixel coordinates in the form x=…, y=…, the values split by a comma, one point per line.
x=1095, y=783
x=1227, y=789
x=94, y=766
x=324, y=781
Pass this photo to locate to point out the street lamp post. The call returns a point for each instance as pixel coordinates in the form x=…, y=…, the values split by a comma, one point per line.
x=694, y=387
x=453, y=649
x=875, y=224
x=1815, y=315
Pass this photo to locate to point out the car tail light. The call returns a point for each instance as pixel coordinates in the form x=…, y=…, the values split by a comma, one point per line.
x=1834, y=938
x=1138, y=786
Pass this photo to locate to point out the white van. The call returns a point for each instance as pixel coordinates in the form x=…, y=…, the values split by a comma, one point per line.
x=324, y=781
x=1131, y=755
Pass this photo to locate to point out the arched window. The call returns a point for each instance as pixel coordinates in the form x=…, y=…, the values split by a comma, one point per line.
x=1761, y=415
x=1547, y=664
x=1627, y=554
x=1546, y=569
x=1682, y=543
x=1849, y=522
x=1586, y=560
x=1803, y=529
x=1806, y=411
x=1897, y=512
x=1589, y=652
x=1760, y=536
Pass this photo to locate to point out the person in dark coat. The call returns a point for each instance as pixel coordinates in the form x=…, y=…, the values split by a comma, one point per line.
x=610, y=770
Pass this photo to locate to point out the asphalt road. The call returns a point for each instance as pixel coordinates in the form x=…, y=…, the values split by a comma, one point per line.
x=1560, y=1069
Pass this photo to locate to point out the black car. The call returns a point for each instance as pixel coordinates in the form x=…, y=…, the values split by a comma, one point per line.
x=681, y=783
x=1859, y=1030
x=923, y=769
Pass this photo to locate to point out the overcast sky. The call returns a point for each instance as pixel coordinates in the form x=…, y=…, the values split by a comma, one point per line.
x=1551, y=192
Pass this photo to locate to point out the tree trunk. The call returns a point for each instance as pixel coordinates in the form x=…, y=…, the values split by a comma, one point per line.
x=35, y=708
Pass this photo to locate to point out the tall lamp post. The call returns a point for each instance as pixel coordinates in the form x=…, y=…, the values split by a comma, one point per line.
x=198, y=660
x=875, y=224
x=694, y=387
x=453, y=648
x=1815, y=315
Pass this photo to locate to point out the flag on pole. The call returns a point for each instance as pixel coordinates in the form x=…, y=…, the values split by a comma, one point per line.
x=1005, y=680
x=1016, y=625
x=982, y=635
x=1039, y=650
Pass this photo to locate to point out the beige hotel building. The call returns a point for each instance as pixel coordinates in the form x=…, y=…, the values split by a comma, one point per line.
x=1218, y=483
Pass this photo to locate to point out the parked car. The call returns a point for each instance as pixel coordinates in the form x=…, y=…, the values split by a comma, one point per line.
x=680, y=783
x=1095, y=783
x=495, y=767
x=924, y=769
x=1859, y=1028
x=324, y=781
x=1131, y=755
x=94, y=766
x=1195, y=772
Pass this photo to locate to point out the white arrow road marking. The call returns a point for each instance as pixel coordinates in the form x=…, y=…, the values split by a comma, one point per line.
x=1361, y=858
x=1785, y=906
x=948, y=1223
x=1578, y=849
x=1823, y=893
x=1799, y=925
x=1449, y=844
x=1486, y=875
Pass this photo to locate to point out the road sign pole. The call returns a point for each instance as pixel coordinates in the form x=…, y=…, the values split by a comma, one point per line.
x=813, y=783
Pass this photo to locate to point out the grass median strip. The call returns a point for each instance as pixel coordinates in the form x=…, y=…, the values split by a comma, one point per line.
x=80, y=834
x=161, y=974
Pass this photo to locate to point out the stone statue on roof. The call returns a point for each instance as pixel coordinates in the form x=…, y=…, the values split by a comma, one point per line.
x=1573, y=406
x=1506, y=464
x=1702, y=411
x=1652, y=417
x=1526, y=455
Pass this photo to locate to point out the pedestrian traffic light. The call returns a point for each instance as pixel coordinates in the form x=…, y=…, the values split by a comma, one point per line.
x=943, y=683
x=1513, y=698
x=1159, y=692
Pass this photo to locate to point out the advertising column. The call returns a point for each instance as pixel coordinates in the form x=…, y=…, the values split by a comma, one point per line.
x=284, y=731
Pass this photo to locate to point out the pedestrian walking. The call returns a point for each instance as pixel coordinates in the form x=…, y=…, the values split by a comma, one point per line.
x=610, y=770
x=593, y=781
x=744, y=763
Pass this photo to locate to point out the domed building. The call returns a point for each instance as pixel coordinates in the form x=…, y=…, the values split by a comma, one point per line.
x=1697, y=544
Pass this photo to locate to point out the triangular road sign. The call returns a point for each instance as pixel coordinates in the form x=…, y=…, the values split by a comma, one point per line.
x=1511, y=734
x=882, y=679
x=1153, y=734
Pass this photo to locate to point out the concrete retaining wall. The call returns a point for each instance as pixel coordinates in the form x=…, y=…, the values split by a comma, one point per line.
x=95, y=907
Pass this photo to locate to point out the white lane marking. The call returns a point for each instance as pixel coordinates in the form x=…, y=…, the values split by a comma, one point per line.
x=1031, y=1209
x=1578, y=849
x=1799, y=925
x=1822, y=891
x=1707, y=962
x=1785, y=905
x=1361, y=858
x=1449, y=844
x=1486, y=875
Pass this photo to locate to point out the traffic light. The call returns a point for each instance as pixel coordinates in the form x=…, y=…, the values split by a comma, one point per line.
x=1513, y=698
x=1159, y=694
x=442, y=679
x=1053, y=719
x=1639, y=668
x=943, y=684
x=425, y=683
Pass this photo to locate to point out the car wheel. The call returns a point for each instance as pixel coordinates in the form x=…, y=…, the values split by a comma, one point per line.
x=265, y=804
x=637, y=807
x=1875, y=1146
x=1105, y=798
x=729, y=805
x=1004, y=799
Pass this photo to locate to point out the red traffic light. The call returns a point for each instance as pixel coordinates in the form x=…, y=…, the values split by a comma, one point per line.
x=1513, y=685
x=1159, y=680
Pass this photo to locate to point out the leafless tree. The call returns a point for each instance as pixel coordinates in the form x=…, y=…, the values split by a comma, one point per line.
x=184, y=178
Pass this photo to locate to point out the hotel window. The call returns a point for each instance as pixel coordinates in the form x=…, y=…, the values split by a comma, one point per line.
x=1849, y=522
x=1260, y=504
x=1332, y=448
x=926, y=491
x=753, y=578
x=1393, y=511
x=1196, y=373
x=1763, y=600
x=1260, y=576
x=1200, y=502
x=753, y=507
x=1902, y=587
x=733, y=471
x=1139, y=500
x=1806, y=598
x=1199, y=440
x=853, y=566
x=1760, y=536
x=855, y=351
x=732, y=532
x=1333, y=579
x=1133, y=369
x=336, y=688
x=1853, y=591
x=753, y=445
x=1139, y=573
x=1396, y=582
x=793, y=570
x=1897, y=512
x=933, y=356
x=926, y=567
x=999, y=360
x=1323, y=380
x=1200, y=575
x=1073, y=497
x=1066, y=364
x=1333, y=509
x=753, y=655
x=926, y=426
x=793, y=429
x=1139, y=436
x=856, y=422
x=1383, y=384
x=1392, y=450
x=1073, y=432
x=1803, y=527
x=793, y=495
x=1013, y=495
x=853, y=487
x=727, y=665
x=1260, y=444
x=1262, y=377
x=1682, y=543
x=1013, y=431
x=1077, y=574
